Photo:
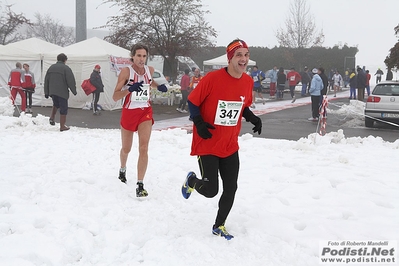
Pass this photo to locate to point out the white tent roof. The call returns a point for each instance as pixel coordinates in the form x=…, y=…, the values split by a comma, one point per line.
x=89, y=50
x=16, y=54
x=222, y=61
x=82, y=57
x=35, y=45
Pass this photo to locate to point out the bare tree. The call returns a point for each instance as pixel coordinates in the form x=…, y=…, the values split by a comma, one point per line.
x=10, y=22
x=169, y=27
x=300, y=31
x=50, y=30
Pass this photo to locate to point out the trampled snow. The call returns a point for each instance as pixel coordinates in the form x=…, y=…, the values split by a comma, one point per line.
x=61, y=202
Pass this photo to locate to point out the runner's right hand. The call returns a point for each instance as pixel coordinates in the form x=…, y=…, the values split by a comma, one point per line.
x=136, y=86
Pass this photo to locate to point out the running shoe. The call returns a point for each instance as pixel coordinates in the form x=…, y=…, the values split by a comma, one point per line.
x=122, y=176
x=186, y=189
x=221, y=231
x=140, y=191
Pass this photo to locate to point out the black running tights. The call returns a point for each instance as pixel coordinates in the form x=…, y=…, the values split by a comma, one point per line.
x=208, y=186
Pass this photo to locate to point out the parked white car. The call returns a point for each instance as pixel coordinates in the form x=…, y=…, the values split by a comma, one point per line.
x=383, y=103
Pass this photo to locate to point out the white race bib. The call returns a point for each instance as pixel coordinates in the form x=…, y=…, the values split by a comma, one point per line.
x=228, y=113
x=255, y=78
x=142, y=96
x=292, y=78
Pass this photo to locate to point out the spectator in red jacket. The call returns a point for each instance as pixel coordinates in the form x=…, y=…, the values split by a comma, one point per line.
x=15, y=81
x=184, y=87
x=29, y=85
x=293, y=78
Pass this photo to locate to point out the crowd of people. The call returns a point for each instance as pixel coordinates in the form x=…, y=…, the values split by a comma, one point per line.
x=315, y=83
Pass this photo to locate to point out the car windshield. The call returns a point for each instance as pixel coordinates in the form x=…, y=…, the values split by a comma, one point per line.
x=386, y=89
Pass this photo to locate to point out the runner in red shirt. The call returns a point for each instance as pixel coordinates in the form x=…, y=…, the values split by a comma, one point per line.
x=293, y=78
x=216, y=106
x=184, y=87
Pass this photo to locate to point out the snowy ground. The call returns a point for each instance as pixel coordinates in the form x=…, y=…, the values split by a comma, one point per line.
x=62, y=204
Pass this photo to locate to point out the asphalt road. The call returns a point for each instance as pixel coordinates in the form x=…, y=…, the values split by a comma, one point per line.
x=290, y=124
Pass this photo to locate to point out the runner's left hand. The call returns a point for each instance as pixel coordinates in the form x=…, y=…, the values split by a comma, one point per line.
x=162, y=88
x=257, y=122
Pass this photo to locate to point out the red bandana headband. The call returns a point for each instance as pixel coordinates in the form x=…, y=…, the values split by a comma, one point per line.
x=233, y=47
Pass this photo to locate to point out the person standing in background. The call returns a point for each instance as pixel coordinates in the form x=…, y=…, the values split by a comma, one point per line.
x=352, y=85
x=361, y=84
x=324, y=78
x=194, y=83
x=58, y=81
x=368, y=77
x=293, y=78
x=195, y=79
x=316, y=86
x=337, y=80
x=15, y=81
x=273, y=81
x=305, y=80
x=184, y=87
x=378, y=75
x=281, y=80
x=389, y=74
x=96, y=81
x=330, y=80
x=346, y=82
x=29, y=86
x=257, y=76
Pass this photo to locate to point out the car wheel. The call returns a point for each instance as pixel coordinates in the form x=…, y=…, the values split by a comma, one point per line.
x=369, y=122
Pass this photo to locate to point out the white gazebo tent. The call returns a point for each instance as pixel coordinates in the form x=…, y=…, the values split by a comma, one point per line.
x=9, y=56
x=38, y=47
x=82, y=57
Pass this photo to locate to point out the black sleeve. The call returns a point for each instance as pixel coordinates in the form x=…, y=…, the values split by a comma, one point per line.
x=247, y=114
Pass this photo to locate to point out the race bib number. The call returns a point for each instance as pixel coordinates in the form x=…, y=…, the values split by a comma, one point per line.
x=292, y=78
x=141, y=96
x=195, y=85
x=228, y=113
x=255, y=78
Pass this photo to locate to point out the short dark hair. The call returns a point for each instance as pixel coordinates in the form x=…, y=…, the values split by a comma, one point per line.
x=138, y=46
x=62, y=57
x=186, y=71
